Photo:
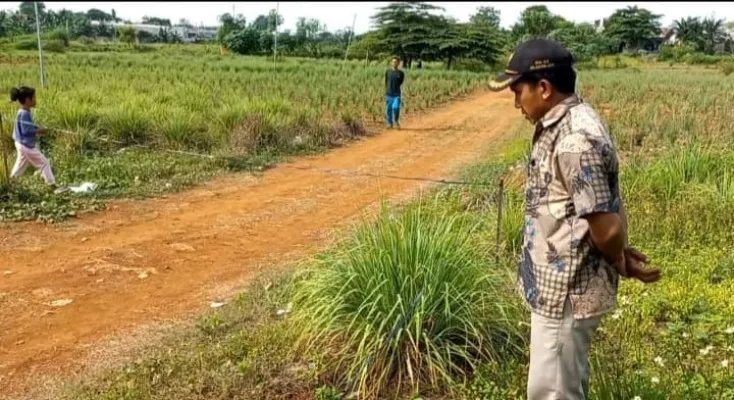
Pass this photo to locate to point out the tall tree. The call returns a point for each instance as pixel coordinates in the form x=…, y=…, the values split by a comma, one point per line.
x=636, y=28
x=584, y=41
x=690, y=31
x=229, y=24
x=489, y=16
x=28, y=9
x=408, y=29
x=99, y=15
x=536, y=21
x=307, y=34
x=714, y=35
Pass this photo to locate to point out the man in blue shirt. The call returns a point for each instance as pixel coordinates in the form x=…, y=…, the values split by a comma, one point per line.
x=393, y=81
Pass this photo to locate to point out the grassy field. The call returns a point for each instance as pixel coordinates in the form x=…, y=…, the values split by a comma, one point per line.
x=671, y=340
x=119, y=116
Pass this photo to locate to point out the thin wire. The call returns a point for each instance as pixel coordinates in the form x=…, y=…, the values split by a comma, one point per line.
x=406, y=178
x=332, y=171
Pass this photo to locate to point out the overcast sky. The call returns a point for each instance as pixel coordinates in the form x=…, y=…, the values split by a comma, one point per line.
x=339, y=15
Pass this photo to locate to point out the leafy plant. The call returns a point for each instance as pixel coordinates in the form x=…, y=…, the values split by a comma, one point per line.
x=407, y=301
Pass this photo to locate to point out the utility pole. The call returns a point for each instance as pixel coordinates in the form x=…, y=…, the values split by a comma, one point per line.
x=351, y=35
x=275, y=33
x=40, y=51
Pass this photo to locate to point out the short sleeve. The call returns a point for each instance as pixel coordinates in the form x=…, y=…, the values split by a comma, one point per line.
x=588, y=166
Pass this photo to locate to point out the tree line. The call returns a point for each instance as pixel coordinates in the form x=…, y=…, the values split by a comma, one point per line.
x=419, y=30
x=94, y=23
x=412, y=30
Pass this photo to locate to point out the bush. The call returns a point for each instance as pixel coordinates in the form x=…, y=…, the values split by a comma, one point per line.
x=54, y=46
x=409, y=301
x=59, y=34
x=26, y=45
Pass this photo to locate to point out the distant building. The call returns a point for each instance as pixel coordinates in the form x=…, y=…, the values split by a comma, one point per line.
x=668, y=36
x=187, y=33
x=599, y=25
x=190, y=34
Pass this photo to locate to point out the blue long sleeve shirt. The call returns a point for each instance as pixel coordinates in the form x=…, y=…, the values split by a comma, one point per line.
x=25, y=129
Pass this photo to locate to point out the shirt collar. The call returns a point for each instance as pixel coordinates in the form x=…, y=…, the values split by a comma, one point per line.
x=558, y=111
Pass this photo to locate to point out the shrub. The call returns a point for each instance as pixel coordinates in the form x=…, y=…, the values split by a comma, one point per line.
x=54, y=46
x=59, y=34
x=26, y=45
x=408, y=301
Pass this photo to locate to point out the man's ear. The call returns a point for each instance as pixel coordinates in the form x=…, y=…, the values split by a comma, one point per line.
x=546, y=89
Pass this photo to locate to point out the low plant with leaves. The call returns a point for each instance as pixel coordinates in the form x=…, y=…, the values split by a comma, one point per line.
x=407, y=303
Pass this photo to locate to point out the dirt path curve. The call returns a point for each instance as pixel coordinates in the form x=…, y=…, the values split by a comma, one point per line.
x=155, y=259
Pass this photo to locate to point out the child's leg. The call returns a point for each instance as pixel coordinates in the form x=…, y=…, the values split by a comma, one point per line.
x=38, y=160
x=21, y=162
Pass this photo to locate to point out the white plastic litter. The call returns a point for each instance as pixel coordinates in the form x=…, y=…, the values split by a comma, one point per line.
x=84, y=187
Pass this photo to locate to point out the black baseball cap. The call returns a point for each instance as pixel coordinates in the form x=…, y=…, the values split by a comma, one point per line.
x=532, y=56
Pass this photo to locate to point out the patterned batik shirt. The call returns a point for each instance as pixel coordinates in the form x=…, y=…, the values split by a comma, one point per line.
x=572, y=172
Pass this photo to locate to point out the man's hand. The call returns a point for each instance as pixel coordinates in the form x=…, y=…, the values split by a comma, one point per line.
x=634, y=261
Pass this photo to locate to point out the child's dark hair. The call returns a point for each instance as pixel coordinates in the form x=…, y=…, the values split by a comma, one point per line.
x=395, y=58
x=563, y=79
x=21, y=94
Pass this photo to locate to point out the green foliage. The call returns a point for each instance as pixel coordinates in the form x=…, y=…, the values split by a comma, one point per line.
x=228, y=25
x=536, y=21
x=54, y=46
x=636, y=28
x=245, y=41
x=328, y=393
x=59, y=34
x=409, y=301
x=584, y=41
x=229, y=107
x=127, y=34
x=486, y=16
x=704, y=35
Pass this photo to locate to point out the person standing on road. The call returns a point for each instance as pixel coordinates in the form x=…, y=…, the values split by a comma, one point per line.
x=25, y=133
x=575, y=232
x=394, y=78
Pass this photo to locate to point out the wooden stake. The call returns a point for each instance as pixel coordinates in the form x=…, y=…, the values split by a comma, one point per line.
x=500, y=199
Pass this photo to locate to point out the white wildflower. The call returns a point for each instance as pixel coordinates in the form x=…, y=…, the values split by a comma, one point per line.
x=706, y=351
x=725, y=363
x=617, y=314
x=685, y=335
x=637, y=398
x=655, y=380
x=659, y=361
x=730, y=330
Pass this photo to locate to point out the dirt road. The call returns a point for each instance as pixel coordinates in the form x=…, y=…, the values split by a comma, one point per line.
x=156, y=259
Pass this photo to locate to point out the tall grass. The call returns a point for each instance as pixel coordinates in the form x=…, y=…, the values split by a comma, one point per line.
x=180, y=102
x=408, y=303
x=246, y=110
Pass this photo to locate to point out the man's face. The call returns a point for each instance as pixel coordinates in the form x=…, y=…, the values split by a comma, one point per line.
x=395, y=63
x=532, y=98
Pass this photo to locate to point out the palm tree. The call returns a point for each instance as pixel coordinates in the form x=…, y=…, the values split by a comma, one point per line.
x=714, y=34
x=690, y=30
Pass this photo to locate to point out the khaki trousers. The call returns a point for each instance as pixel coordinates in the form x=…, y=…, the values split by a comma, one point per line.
x=559, y=356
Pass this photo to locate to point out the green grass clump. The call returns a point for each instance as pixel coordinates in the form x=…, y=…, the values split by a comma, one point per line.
x=408, y=302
